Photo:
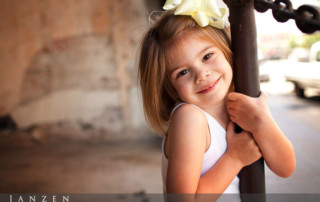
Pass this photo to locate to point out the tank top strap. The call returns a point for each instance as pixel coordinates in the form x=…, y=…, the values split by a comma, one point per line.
x=210, y=119
x=173, y=110
x=176, y=107
x=182, y=103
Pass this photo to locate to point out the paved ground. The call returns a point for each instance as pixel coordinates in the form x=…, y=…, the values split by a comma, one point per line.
x=299, y=120
x=79, y=167
x=134, y=167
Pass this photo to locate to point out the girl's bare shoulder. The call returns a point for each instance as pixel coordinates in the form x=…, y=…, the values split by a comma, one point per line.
x=187, y=130
x=187, y=114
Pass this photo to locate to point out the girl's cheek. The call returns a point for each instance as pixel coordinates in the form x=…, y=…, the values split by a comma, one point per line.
x=182, y=88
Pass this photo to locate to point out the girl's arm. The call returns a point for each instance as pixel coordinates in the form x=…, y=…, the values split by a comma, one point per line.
x=253, y=115
x=185, y=148
x=242, y=151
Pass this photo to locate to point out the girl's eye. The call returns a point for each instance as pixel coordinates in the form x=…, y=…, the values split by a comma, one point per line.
x=207, y=56
x=183, y=72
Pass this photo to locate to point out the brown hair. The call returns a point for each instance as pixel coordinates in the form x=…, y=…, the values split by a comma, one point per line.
x=159, y=96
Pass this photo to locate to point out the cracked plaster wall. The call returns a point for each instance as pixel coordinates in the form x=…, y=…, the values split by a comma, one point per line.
x=73, y=64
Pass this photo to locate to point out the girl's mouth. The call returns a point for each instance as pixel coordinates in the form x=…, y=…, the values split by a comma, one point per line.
x=210, y=87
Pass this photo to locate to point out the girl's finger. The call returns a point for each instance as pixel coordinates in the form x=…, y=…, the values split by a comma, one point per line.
x=232, y=112
x=231, y=104
x=232, y=118
x=232, y=96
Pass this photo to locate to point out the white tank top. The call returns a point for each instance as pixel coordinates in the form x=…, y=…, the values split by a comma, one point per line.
x=218, y=146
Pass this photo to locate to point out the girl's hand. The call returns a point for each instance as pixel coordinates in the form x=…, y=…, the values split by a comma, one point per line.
x=252, y=114
x=248, y=112
x=241, y=146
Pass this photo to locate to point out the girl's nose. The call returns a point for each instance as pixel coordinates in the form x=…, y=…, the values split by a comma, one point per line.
x=202, y=75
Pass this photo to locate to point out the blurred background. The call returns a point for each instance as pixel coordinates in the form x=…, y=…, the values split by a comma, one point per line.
x=71, y=117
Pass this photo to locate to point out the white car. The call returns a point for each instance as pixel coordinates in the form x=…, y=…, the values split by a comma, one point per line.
x=306, y=74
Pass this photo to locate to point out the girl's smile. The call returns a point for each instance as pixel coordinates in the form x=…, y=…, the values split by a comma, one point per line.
x=210, y=87
x=199, y=72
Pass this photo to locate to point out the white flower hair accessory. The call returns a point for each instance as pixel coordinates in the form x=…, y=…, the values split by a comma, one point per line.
x=204, y=12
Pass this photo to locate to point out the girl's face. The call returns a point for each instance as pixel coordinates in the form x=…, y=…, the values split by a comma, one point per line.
x=200, y=73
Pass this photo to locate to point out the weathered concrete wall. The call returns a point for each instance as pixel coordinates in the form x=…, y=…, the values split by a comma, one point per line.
x=72, y=65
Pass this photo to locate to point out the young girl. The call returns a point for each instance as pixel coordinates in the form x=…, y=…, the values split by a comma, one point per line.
x=185, y=73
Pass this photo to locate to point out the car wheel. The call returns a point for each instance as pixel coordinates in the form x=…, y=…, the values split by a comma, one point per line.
x=299, y=91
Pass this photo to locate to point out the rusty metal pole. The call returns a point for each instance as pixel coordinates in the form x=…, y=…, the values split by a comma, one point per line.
x=246, y=81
